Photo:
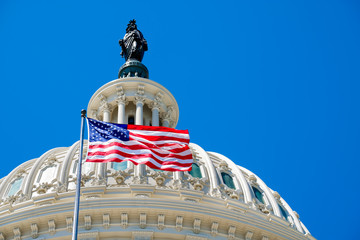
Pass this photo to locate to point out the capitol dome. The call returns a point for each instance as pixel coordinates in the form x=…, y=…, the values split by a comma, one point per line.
x=217, y=199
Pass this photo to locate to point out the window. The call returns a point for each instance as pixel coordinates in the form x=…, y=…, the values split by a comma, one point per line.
x=258, y=195
x=195, y=171
x=131, y=120
x=227, y=179
x=47, y=174
x=15, y=187
x=283, y=211
x=119, y=165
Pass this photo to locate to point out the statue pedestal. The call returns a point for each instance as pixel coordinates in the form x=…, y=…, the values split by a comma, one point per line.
x=133, y=68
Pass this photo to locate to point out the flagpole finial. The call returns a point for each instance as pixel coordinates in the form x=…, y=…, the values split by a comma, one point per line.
x=83, y=113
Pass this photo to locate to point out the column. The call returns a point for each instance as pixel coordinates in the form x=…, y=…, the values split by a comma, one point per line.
x=121, y=101
x=121, y=112
x=166, y=122
x=140, y=170
x=166, y=116
x=139, y=113
x=106, y=109
x=155, y=108
x=155, y=116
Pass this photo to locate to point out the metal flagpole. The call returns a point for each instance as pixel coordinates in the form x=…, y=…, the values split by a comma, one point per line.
x=78, y=182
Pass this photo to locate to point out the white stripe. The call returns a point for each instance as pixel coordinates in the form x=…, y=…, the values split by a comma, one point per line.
x=156, y=142
x=185, y=152
x=160, y=133
x=136, y=142
x=162, y=159
x=143, y=161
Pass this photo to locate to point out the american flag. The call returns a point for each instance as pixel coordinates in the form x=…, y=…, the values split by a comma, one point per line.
x=158, y=147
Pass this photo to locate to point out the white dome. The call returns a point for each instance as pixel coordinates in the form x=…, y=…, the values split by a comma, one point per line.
x=215, y=201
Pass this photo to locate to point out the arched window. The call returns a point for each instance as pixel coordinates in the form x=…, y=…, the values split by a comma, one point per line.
x=227, y=179
x=195, y=171
x=258, y=195
x=283, y=211
x=47, y=174
x=119, y=165
x=15, y=187
x=131, y=120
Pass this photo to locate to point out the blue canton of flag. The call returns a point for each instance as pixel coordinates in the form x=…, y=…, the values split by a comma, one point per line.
x=103, y=131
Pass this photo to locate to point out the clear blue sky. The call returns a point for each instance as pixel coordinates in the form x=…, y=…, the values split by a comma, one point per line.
x=273, y=85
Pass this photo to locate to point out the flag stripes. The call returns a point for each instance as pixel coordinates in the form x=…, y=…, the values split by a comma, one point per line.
x=158, y=147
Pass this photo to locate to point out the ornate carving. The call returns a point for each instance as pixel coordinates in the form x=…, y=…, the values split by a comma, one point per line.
x=140, y=94
x=231, y=232
x=197, y=183
x=104, y=105
x=159, y=177
x=20, y=174
x=119, y=176
x=50, y=161
x=124, y=220
x=167, y=116
x=296, y=214
x=34, y=230
x=261, y=207
x=276, y=195
x=121, y=98
x=196, y=225
x=249, y=235
x=224, y=166
x=59, y=187
x=177, y=184
x=134, y=44
x=161, y=221
x=69, y=224
x=253, y=179
x=106, y=220
x=233, y=194
x=216, y=192
x=44, y=186
x=99, y=180
x=94, y=114
x=52, y=226
x=142, y=220
x=140, y=180
x=87, y=219
x=10, y=200
x=17, y=233
x=265, y=238
x=179, y=223
x=157, y=101
x=214, y=228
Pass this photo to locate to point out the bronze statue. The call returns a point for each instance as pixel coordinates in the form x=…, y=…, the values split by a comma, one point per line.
x=134, y=44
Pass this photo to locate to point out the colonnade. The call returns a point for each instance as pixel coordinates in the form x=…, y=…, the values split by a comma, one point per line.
x=139, y=100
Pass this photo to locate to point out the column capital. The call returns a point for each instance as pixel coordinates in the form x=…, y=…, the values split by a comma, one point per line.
x=167, y=115
x=104, y=105
x=156, y=103
x=140, y=94
x=121, y=97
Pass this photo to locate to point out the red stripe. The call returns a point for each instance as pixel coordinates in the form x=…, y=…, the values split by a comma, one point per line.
x=179, y=148
x=144, y=156
x=116, y=151
x=159, y=129
x=158, y=138
x=148, y=163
